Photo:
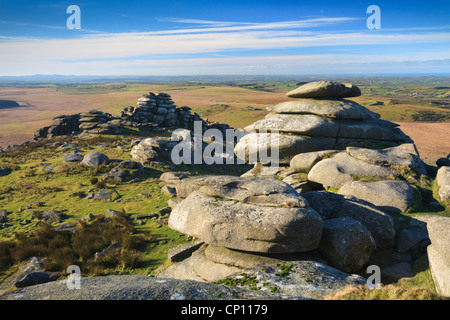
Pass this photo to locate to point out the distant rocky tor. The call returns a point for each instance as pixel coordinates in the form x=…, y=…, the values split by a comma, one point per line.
x=152, y=112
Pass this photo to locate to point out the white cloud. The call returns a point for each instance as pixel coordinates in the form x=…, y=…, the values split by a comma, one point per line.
x=134, y=52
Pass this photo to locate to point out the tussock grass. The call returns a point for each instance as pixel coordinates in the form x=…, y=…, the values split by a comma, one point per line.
x=62, y=249
x=385, y=292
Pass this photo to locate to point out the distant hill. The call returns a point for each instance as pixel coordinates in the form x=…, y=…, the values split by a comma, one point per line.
x=4, y=104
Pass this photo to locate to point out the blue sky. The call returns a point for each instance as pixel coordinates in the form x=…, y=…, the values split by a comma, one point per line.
x=224, y=38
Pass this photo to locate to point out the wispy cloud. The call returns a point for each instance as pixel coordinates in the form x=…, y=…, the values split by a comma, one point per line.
x=35, y=25
x=136, y=52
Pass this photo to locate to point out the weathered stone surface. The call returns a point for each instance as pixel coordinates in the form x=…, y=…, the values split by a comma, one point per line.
x=129, y=287
x=331, y=205
x=327, y=204
x=398, y=270
x=346, y=243
x=440, y=271
x=104, y=194
x=313, y=125
x=251, y=146
x=247, y=227
x=411, y=239
x=51, y=216
x=338, y=109
x=307, y=277
x=239, y=259
x=387, y=195
x=34, y=278
x=307, y=124
x=172, y=178
x=325, y=89
x=443, y=182
x=263, y=191
x=114, y=213
x=33, y=264
x=151, y=148
x=94, y=159
x=73, y=157
x=184, y=251
x=304, y=162
x=339, y=170
x=404, y=155
x=380, y=224
x=439, y=233
x=124, y=171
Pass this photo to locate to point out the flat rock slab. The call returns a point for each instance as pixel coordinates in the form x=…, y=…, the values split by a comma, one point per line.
x=387, y=195
x=339, y=170
x=325, y=89
x=304, y=162
x=317, y=126
x=264, y=191
x=306, y=277
x=129, y=287
x=338, y=109
x=404, y=155
x=247, y=227
x=250, y=148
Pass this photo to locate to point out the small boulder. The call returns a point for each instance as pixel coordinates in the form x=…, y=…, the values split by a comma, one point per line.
x=113, y=213
x=387, y=195
x=248, y=227
x=346, y=243
x=73, y=157
x=35, y=278
x=94, y=159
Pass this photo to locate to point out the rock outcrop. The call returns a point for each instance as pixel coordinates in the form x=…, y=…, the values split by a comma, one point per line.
x=250, y=214
x=250, y=224
x=153, y=112
x=319, y=120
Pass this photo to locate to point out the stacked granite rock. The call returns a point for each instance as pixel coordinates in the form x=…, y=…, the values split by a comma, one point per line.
x=62, y=125
x=245, y=223
x=97, y=122
x=252, y=215
x=319, y=119
x=160, y=110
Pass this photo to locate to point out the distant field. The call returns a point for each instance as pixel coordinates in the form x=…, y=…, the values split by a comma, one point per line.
x=237, y=103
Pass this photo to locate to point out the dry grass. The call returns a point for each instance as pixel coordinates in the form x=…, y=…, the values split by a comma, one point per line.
x=431, y=139
x=386, y=292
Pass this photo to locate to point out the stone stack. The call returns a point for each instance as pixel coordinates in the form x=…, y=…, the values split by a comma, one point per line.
x=249, y=222
x=96, y=122
x=161, y=111
x=62, y=125
x=152, y=149
x=319, y=119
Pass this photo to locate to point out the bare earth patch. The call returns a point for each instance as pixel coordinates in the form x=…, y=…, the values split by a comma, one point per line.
x=432, y=139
